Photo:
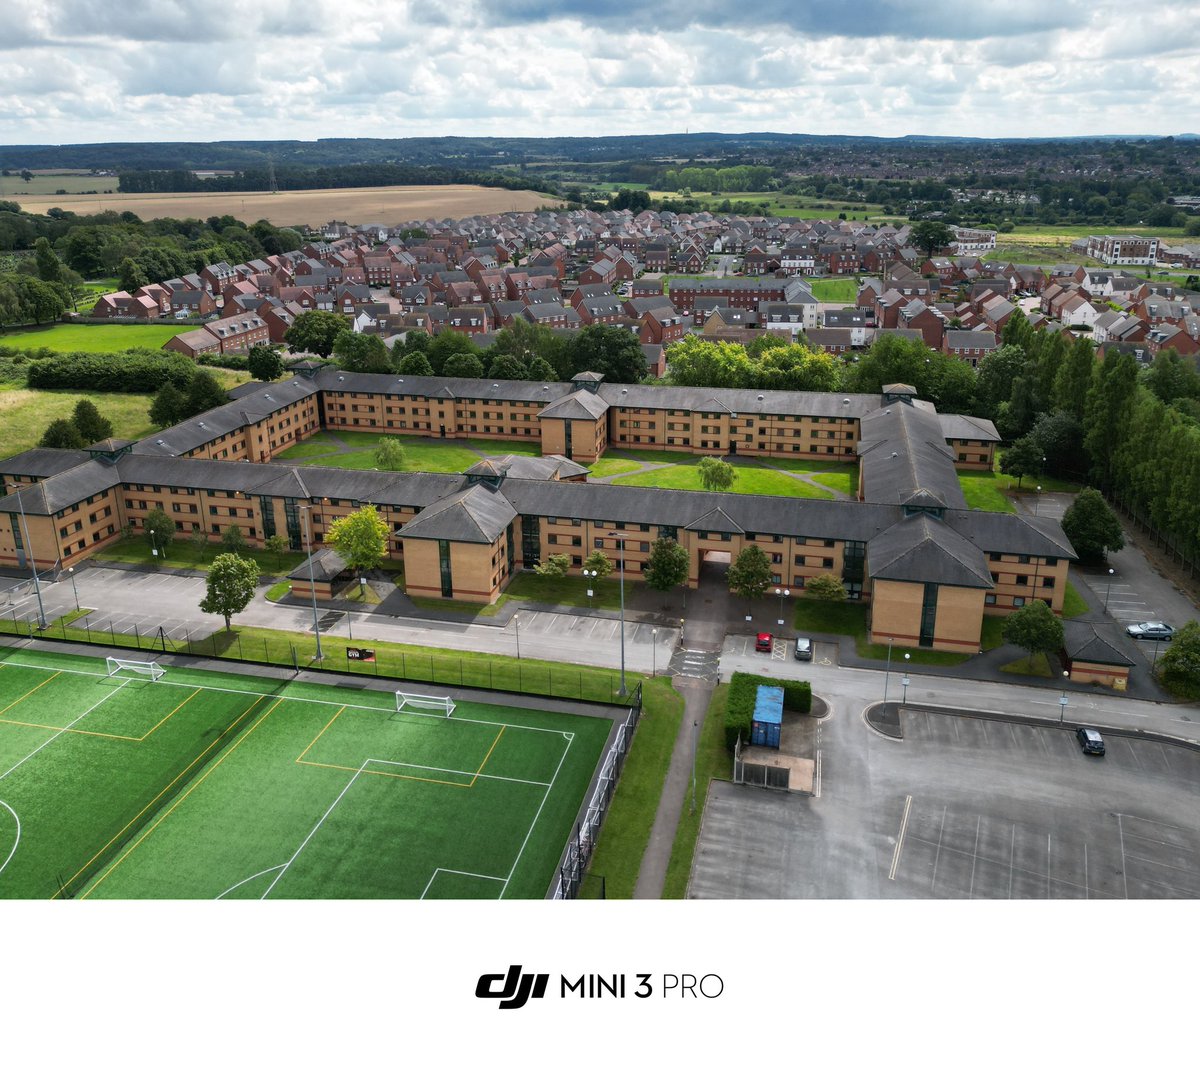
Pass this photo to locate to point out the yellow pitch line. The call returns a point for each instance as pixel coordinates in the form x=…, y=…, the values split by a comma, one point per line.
x=387, y=774
x=179, y=801
x=70, y=730
x=300, y=758
x=168, y=715
x=489, y=753
x=164, y=790
x=31, y=692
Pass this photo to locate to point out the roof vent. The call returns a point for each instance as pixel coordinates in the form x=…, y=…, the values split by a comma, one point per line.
x=760, y=398
x=161, y=443
x=895, y=454
x=845, y=402
x=495, y=385
x=341, y=378
x=885, y=411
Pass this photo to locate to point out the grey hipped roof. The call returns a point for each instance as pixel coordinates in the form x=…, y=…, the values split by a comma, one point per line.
x=476, y=515
x=905, y=459
x=326, y=564
x=924, y=549
x=580, y=405
x=1083, y=641
x=962, y=427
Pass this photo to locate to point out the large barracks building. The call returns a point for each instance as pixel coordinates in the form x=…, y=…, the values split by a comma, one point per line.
x=929, y=567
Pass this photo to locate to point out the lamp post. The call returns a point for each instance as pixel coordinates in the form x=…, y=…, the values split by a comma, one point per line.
x=887, y=674
x=74, y=588
x=37, y=585
x=1154, y=658
x=695, y=749
x=517, y=627
x=589, y=575
x=904, y=680
x=1062, y=701
x=653, y=651
x=781, y=593
x=620, y=538
x=1037, y=500
x=1108, y=588
x=306, y=513
x=153, y=545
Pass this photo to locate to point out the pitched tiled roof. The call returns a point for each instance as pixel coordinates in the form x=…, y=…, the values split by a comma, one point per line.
x=476, y=515
x=924, y=549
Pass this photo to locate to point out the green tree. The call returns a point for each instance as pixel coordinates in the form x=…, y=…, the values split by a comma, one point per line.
x=554, y=566
x=204, y=393
x=667, y=565
x=468, y=365
x=507, y=367
x=1179, y=666
x=389, y=454
x=599, y=562
x=229, y=586
x=360, y=539
x=825, y=587
x=199, y=542
x=314, y=332
x=750, y=575
x=1092, y=527
x=49, y=267
x=233, y=539
x=1023, y=459
x=1108, y=411
x=130, y=276
x=265, y=361
x=92, y=427
x=62, y=434
x=361, y=353
x=1075, y=377
x=540, y=369
x=1034, y=628
x=277, y=545
x=931, y=236
x=606, y=349
x=995, y=376
x=716, y=474
x=445, y=346
x=169, y=406
x=415, y=363
x=159, y=528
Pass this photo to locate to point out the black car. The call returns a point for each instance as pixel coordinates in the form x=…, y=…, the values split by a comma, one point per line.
x=1090, y=740
x=803, y=650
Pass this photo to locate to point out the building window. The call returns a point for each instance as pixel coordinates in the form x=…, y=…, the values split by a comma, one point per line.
x=1018, y=601
x=989, y=599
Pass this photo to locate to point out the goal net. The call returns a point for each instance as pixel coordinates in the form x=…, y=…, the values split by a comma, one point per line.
x=420, y=704
x=145, y=668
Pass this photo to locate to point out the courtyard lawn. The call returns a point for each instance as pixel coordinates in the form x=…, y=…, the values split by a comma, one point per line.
x=97, y=338
x=752, y=479
x=982, y=493
x=842, y=291
x=839, y=482
x=612, y=467
x=421, y=455
x=1074, y=605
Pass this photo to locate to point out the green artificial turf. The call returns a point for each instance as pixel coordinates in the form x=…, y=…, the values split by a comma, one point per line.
x=204, y=784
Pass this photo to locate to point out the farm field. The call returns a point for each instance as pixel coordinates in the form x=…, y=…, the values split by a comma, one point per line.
x=213, y=785
x=44, y=184
x=808, y=208
x=386, y=204
x=98, y=338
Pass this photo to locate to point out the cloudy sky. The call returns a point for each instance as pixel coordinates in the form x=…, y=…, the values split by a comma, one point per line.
x=148, y=70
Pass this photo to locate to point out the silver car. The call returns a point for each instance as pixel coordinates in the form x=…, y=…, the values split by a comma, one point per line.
x=1151, y=631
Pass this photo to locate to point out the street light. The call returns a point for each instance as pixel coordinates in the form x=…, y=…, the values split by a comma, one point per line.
x=695, y=749
x=1037, y=500
x=1062, y=701
x=517, y=626
x=590, y=574
x=888, y=672
x=904, y=680
x=653, y=651
x=1108, y=588
x=620, y=539
x=153, y=545
x=306, y=512
x=74, y=589
x=37, y=585
x=781, y=593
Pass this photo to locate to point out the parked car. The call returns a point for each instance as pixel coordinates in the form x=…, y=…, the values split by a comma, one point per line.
x=1090, y=740
x=764, y=642
x=804, y=649
x=1151, y=631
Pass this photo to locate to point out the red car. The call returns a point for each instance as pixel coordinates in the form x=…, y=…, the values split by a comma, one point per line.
x=764, y=642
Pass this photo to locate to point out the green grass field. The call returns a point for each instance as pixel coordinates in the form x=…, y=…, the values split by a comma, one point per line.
x=844, y=291
x=97, y=338
x=206, y=785
x=25, y=413
x=420, y=454
x=14, y=187
x=752, y=478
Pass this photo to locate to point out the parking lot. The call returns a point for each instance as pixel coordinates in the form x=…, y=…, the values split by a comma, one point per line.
x=824, y=653
x=962, y=808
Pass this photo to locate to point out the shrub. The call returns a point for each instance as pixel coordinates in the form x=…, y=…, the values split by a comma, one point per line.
x=743, y=692
x=132, y=371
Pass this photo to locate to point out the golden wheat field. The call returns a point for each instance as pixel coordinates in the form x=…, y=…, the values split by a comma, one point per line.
x=374, y=204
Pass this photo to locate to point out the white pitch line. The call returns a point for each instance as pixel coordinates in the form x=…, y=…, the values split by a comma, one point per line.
x=900, y=839
x=537, y=815
x=243, y=882
x=454, y=771
x=16, y=841
x=456, y=872
x=308, y=838
x=124, y=683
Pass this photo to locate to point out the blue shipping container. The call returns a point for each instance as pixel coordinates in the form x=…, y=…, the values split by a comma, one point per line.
x=768, y=717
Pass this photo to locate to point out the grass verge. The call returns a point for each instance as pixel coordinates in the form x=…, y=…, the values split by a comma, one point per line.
x=850, y=619
x=626, y=832
x=1038, y=665
x=1074, y=605
x=278, y=591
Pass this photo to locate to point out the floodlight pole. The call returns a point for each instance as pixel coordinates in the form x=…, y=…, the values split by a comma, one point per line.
x=620, y=538
x=306, y=508
x=37, y=585
x=517, y=626
x=74, y=588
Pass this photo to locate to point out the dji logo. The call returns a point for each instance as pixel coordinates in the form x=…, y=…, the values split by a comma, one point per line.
x=516, y=988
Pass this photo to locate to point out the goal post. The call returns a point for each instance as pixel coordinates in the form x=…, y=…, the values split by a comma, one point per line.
x=422, y=704
x=145, y=668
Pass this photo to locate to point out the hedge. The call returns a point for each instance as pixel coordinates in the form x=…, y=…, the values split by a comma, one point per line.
x=743, y=692
x=225, y=361
x=131, y=371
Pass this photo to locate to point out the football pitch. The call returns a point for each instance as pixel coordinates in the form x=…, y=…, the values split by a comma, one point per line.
x=212, y=785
